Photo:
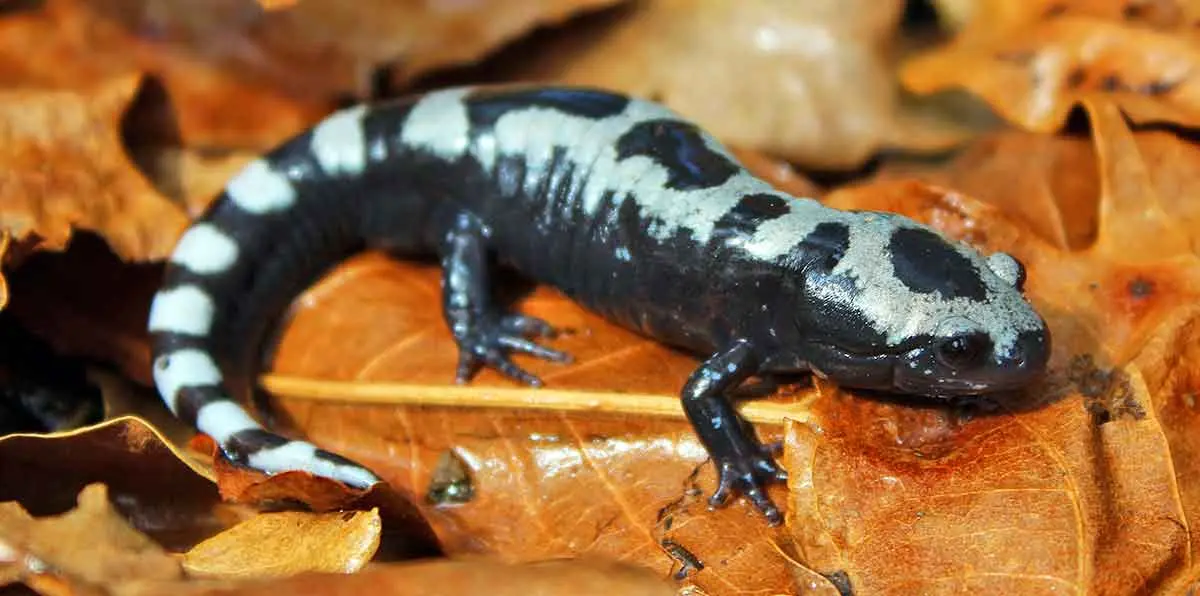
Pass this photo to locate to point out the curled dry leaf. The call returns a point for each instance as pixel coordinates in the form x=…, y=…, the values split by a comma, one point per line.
x=1033, y=61
x=288, y=543
x=66, y=168
x=155, y=488
x=808, y=82
x=92, y=544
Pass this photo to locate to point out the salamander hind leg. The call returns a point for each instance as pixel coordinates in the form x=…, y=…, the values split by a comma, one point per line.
x=743, y=463
x=485, y=336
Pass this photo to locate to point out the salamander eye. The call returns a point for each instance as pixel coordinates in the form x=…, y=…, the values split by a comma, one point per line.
x=964, y=350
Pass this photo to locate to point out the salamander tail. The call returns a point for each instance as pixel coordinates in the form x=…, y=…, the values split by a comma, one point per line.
x=193, y=387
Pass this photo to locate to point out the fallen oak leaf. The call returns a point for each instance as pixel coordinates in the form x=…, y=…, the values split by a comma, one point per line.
x=67, y=169
x=288, y=543
x=1133, y=213
x=92, y=544
x=1171, y=362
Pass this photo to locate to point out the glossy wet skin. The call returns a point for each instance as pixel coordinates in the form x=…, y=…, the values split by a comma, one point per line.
x=999, y=344
x=946, y=366
x=969, y=365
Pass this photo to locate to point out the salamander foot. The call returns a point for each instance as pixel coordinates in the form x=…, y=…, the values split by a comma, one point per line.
x=748, y=472
x=490, y=340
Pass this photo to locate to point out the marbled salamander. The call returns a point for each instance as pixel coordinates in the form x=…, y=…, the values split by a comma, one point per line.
x=625, y=207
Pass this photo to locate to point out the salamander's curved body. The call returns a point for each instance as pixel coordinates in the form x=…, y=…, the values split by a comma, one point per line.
x=626, y=208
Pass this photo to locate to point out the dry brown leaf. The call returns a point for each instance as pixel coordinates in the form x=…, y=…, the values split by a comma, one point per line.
x=66, y=169
x=157, y=489
x=411, y=36
x=288, y=543
x=189, y=177
x=1171, y=362
x=325, y=48
x=1049, y=184
x=1033, y=61
x=91, y=544
x=209, y=105
x=808, y=82
x=990, y=16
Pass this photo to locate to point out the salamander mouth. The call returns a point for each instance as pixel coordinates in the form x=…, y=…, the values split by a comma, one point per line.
x=852, y=370
x=947, y=388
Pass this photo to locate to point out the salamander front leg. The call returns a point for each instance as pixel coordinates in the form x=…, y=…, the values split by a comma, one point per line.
x=743, y=464
x=484, y=336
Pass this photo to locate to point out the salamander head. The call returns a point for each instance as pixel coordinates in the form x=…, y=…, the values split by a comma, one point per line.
x=908, y=310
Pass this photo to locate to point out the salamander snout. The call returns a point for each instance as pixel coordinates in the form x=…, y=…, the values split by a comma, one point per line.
x=971, y=363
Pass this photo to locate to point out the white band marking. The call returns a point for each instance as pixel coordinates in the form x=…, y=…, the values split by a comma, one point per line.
x=338, y=142
x=205, y=249
x=186, y=309
x=259, y=189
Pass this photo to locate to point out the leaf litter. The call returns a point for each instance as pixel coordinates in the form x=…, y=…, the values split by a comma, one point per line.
x=1084, y=483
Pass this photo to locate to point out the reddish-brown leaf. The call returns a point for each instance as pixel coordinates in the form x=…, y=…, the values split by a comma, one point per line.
x=5, y=242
